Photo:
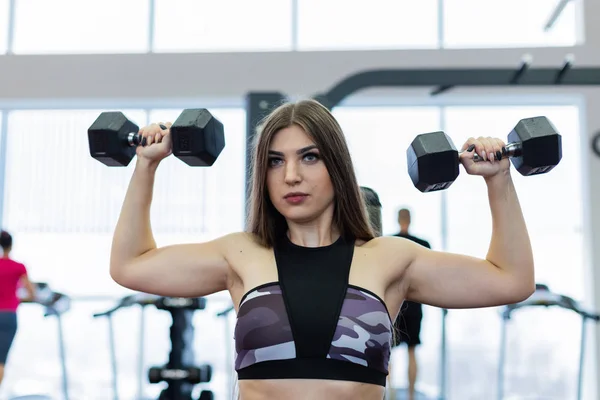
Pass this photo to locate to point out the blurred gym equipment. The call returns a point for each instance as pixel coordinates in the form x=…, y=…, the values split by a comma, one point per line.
x=142, y=300
x=228, y=349
x=543, y=297
x=55, y=304
x=179, y=373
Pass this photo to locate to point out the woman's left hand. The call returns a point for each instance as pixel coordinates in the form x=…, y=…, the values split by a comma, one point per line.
x=490, y=150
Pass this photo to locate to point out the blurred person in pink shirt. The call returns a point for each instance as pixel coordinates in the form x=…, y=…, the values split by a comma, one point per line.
x=12, y=276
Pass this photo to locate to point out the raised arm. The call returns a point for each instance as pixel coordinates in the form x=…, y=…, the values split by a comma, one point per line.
x=186, y=270
x=506, y=275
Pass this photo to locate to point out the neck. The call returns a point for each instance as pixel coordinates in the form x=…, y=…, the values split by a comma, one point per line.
x=315, y=233
x=404, y=230
x=5, y=254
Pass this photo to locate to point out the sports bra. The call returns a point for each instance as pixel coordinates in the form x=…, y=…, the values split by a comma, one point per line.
x=312, y=324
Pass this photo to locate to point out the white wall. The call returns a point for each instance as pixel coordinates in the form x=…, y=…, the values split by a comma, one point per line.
x=110, y=80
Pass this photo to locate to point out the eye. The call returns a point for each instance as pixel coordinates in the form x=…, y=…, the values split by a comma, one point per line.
x=274, y=161
x=311, y=157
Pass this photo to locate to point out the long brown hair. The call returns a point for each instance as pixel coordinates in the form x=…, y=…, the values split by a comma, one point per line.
x=349, y=217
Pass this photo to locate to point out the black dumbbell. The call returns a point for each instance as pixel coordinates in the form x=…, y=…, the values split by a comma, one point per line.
x=197, y=138
x=202, y=374
x=185, y=303
x=534, y=147
x=206, y=395
x=155, y=375
x=193, y=375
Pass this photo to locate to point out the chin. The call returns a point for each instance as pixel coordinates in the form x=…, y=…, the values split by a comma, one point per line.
x=298, y=214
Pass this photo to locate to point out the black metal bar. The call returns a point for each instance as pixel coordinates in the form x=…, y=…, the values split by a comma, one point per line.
x=457, y=77
x=525, y=64
x=441, y=89
x=567, y=66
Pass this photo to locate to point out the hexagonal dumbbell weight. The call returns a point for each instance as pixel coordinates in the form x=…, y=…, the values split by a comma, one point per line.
x=534, y=147
x=197, y=136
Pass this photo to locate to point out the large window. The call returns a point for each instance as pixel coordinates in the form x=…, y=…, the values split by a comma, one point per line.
x=377, y=24
x=551, y=204
x=3, y=26
x=73, y=26
x=224, y=25
x=114, y=26
x=509, y=23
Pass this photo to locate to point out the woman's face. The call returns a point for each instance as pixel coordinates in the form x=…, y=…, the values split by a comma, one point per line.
x=298, y=182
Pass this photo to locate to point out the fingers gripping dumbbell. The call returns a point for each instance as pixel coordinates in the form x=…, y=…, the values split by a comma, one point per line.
x=197, y=138
x=534, y=147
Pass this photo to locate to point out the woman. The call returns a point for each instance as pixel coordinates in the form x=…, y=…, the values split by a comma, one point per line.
x=315, y=291
x=12, y=274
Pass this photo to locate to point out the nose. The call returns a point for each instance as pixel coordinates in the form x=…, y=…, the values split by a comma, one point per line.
x=292, y=174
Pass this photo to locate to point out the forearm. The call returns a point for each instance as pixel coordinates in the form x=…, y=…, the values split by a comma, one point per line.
x=30, y=295
x=510, y=246
x=133, y=233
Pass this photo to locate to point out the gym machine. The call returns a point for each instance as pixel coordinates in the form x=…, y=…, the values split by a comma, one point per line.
x=55, y=305
x=544, y=297
x=142, y=300
x=179, y=373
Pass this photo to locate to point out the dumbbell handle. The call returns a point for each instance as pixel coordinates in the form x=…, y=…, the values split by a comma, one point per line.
x=135, y=139
x=511, y=150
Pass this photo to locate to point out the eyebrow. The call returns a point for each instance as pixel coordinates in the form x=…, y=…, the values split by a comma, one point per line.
x=302, y=150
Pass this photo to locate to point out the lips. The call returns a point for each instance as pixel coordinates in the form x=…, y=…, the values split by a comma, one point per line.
x=295, y=198
x=295, y=194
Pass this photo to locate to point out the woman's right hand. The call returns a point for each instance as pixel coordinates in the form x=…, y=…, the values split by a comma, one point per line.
x=157, y=144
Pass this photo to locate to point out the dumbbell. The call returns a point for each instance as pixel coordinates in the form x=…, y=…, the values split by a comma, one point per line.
x=193, y=375
x=534, y=147
x=185, y=303
x=206, y=395
x=197, y=138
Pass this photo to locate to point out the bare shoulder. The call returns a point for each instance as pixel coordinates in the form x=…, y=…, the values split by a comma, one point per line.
x=236, y=243
x=386, y=256
x=381, y=266
x=392, y=249
x=243, y=250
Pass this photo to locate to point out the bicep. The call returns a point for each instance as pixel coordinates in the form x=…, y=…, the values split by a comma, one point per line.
x=182, y=270
x=451, y=280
